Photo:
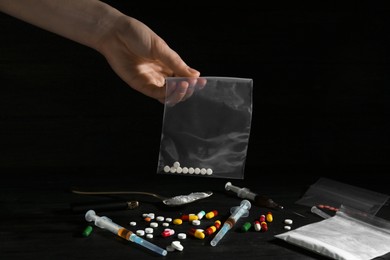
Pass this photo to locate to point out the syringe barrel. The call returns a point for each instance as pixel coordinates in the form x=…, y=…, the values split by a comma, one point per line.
x=244, y=193
x=242, y=210
x=106, y=223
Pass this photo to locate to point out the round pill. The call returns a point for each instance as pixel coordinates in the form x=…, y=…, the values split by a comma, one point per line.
x=167, y=168
x=185, y=170
x=173, y=169
x=203, y=171
x=177, y=221
x=288, y=221
x=148, y=230
x=177, y=245
x=133, y=223
x=153, y=224
x=149, y=236
x=176, y=164
x=140, y=232
x=209, y=171
x=182, y=236
x=160, y=218
x=168, y=219
x=191, y=170
x=165, y=224
x=287, y=227
x=179, y=170
x=196, y=222
x=197, y=170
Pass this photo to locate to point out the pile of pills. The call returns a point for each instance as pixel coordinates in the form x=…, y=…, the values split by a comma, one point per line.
x=176, y=168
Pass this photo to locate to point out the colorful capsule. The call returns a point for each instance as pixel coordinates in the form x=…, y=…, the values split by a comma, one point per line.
x=269, y=217
x=257, y=225
x=217, y=224
x=264, y=226
x=198, y=233
x=192, y=217
x=87, y=231
x=201, y=214
x=210, y=230
x=262, y=218
x=211, y=214
x=177, y=221
x=246, y=226
x=168, y=232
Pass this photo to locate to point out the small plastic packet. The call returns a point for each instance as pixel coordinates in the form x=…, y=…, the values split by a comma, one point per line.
x=207, y=132
x=350, y=234
x=334, y=194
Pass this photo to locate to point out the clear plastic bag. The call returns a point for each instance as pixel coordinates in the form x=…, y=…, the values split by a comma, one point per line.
x=333, y=193
x=206, y=134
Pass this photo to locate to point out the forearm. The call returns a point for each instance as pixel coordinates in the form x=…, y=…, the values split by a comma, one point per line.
x=83, y=21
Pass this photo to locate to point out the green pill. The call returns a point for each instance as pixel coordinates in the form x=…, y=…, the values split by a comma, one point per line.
x=246, y=226
x=87, y=231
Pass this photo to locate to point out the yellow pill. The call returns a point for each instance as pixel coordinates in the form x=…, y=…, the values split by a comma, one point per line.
x=177, y=221
x=269, y=217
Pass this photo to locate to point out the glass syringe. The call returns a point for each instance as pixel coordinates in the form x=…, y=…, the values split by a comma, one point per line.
x=236, y=213
x=106, y=223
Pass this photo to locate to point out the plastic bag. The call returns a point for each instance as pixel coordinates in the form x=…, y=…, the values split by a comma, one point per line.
x=332, y=193
x=207, y=134
x=349, y=235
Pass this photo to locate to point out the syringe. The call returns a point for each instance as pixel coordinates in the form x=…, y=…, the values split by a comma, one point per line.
x=106, y=223
x=236, y=213
x=259, y=200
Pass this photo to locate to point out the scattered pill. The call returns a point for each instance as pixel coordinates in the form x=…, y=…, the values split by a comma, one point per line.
x=160, y=218
x=168, y=232
x=288, y=221
x=149, y=230
x=217, y=224
x=198, y=233
x=201, y=214
x=210, y=230
x=149, y=235
x=165, y=224
x=246, y=226
x=177, y=245
x=196, y=222
x=182, y=236
x=140, y=232
x=177, y=221
x=153, y=224
x=257, y=225
x=211, y=214
x=262, y=218
x=269, y=217
x=167, y=168
x=192, y=217
x=264, y=226
x=168, y=219
x=133, y=223
x=87, y=231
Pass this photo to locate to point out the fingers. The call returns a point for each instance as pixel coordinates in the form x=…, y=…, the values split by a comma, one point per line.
x=181, y=89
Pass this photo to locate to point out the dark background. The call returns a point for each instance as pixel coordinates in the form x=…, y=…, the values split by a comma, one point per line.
x=320, y=105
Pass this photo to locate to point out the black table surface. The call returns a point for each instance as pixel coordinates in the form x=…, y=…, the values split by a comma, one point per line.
x=37, y=218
